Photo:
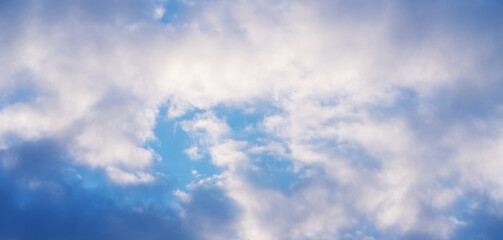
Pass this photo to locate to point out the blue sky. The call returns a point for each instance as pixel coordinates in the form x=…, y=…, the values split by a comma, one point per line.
x=269, y=119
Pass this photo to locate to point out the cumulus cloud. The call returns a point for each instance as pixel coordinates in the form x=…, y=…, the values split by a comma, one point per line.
x=388, y=114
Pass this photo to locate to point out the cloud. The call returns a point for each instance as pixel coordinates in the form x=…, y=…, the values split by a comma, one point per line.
x=193, y=153
x=61, y=206
x=40, y=193
x=388, y=115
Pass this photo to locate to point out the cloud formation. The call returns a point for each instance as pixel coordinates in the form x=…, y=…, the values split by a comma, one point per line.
x=42, y=197
x=325, y=119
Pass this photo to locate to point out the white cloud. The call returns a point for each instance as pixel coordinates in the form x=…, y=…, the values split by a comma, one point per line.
x=335, y=74
x=207, y=127
x=193, y=153
x=182, y=196
x=159, y=12
x=122, y=177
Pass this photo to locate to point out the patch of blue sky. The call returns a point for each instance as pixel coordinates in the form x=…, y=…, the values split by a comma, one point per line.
x=12, y=138
x=154, y=194
x=274, y=171
x=175, y=12
x=171, y=143
x=472, y=203
x=157, y=194
x=480, y=221
x=245, y=120
x=21, y=92
x=42, y=171
x=405, y=102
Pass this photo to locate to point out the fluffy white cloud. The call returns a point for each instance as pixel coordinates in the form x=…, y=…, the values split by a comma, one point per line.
x=360, y=101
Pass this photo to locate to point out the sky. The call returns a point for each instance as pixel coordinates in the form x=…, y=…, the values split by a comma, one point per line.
x=265, y=119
